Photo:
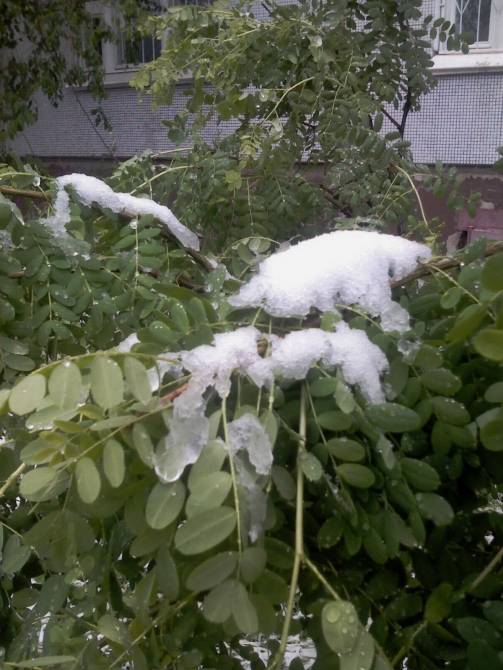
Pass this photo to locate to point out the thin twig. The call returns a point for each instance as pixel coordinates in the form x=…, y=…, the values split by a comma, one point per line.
x=486, y=571
x=12, y=478
x=10, y=190
x=446, y=264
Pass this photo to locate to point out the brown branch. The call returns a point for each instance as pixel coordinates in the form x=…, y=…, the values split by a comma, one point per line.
x=10, y=190
x=406, y=109
x=393, y=121
x=447, y=264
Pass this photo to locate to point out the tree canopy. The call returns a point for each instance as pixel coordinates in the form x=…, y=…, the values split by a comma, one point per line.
x=371, y=528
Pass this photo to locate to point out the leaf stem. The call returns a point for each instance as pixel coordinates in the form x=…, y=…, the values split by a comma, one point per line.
x=12, y=477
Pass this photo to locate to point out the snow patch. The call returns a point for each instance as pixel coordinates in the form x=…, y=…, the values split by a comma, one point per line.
x=252, y=455
x=92, y=190
x=362, y=362
x=349, y=267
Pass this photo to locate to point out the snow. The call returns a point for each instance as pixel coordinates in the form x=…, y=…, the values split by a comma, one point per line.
x=361, y=361
x=343, y=267
x=349, y=267
x=92, y=190
x=245, y=432
x=252, y=455
x=237, y=350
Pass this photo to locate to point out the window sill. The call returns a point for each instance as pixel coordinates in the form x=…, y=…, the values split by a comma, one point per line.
x=121, y=78
x=465, y=63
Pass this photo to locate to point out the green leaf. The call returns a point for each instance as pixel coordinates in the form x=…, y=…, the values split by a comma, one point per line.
x=212, y=572
x=253, y=562
x=451, y=297
x=437, y=509
x=273, y=587
x=491, y=435
x=310, y=465
x=345, y=449
x=137, y=379
x=340, y=626
x=27, y=395
x=405, y=606
x=441, y=381
x=331, y=532
x=466, y=323
x=375, y=547
x=206, y=530
x=385, y=449
x=114, y=464
x=143, y=444
x=361, y=656
x=167, y=574
x=243, y=611
x=279, y=554
x=335, y=421
x=284, y=482
x=356, y=475
x=492, y=273
x=450, y=411
x=217, y=606
x=15, y=555
x=392, y=417
x=421, y=475
x=489, y=343
x=114, y=630
x=38, y=481
x=323, y=387
x=210, y=460
x=482, y=656
x=65, y=385
x=107, y=384
x=19, y=363
x=164, y=504
x=494, y=393
x=210, y=492
x=438, y=605
x=344, y=398
x=88, y=479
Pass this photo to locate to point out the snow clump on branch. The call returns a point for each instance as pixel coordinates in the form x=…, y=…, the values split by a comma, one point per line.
x=350, y=267
x=92, y=190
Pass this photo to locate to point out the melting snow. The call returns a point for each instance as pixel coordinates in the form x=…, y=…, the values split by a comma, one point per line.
x=252, y=454
x=348, y=267
x=351, y=267
x=91, y=189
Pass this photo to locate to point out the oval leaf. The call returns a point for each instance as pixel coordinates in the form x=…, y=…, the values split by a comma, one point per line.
x=206, y=530
x=27, y=395
x=164, y=504
x=107, y=384
x=65, y=385
x=88, y=479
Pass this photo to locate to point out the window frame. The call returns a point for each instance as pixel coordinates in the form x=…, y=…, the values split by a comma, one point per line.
x=483, y=57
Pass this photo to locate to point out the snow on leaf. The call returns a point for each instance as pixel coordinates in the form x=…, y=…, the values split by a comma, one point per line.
x=92, y=190
x=348, y=267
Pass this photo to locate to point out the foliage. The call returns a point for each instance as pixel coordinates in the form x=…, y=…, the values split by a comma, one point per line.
x=326, y=84
x=48, y=46
x=376, y=514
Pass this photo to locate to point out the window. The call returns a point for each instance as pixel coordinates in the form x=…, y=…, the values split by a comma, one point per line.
x=138, y=51
x=482, y=18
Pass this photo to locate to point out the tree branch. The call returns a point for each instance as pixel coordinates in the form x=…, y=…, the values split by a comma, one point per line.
x=393, y=121
x=22, y=193
x=193, y=253
x=446, y=264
